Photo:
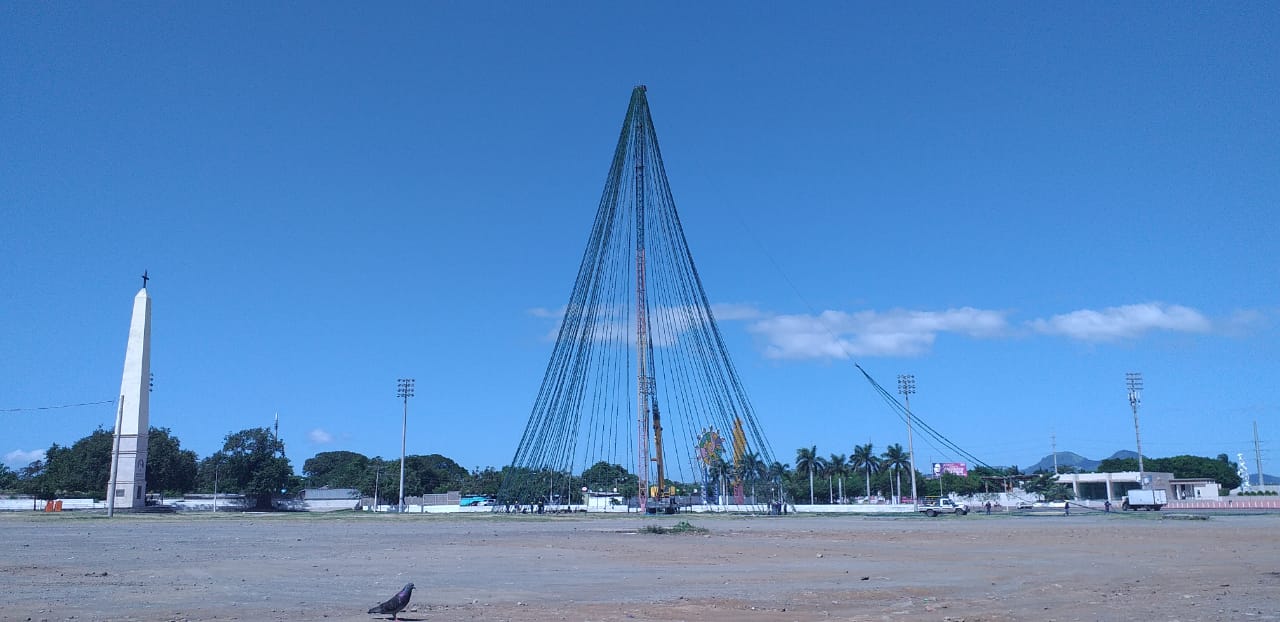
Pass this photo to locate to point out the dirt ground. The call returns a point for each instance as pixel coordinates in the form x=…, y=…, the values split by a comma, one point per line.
x=1151, y=566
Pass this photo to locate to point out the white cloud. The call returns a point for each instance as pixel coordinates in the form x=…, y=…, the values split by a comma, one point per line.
x=319, y=436
x=544, y=312
x=730, y=312
x=837, y=334
x=1126, y=322
x=19, y=458
x=901, y=332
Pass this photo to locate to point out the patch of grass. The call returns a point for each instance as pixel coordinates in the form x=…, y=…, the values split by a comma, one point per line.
x=680, y=527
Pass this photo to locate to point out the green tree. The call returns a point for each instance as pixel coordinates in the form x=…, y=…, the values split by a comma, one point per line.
x=8, y=478
x=524, y=485
x=779, y=473
x=252, y=463
x=433, y=474
x=896, y=458
x=382, y=479
x=1047, y=485
x=864, y=458
x=485, y=482
x=1119, y=465
x=753, y=470
x=603, y=476
x=336, y=469
x=807, y=460
x=170, y=468
x=31, y=481
x=1186, y=466
x=83, y=469
x=1180, y=466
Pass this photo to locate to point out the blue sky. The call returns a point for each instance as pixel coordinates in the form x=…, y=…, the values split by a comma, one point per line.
x=1017, y=204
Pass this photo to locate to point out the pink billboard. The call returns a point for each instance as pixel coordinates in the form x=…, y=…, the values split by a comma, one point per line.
x=954, y=468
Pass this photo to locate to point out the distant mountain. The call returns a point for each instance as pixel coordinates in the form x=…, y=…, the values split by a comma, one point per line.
x=1267, y=480
x=1065, y=459
x=1072, y=459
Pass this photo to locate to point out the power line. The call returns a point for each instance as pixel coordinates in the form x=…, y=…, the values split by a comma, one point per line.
x=21, y=410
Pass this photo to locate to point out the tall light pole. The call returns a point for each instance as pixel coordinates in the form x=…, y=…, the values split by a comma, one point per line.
x=216, y=464
x=404, y=391
x=1257, y=454
x=1134, y=382
x=907, y=386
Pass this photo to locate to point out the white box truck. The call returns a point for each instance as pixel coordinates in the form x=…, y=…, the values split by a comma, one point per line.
x=1145, y=500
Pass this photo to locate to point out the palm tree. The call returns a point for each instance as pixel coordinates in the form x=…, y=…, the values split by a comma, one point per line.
x=753, y=470
x=894, y=457
x=778, y=472
x=864, y=457
x=722, y=470
x=838, y=465
x=807, y=460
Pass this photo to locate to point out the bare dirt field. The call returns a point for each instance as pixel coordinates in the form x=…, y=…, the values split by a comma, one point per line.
x=1146, y=566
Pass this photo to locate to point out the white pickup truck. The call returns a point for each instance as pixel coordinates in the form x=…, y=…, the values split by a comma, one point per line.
x=934, y=507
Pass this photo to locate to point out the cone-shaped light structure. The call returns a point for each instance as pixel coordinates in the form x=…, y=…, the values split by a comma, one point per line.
x=640, y=395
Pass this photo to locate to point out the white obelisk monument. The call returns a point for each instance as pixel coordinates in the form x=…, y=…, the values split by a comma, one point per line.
x=129, y=449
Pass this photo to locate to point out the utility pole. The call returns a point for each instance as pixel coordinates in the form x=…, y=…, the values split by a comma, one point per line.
x=216, y=464
x=1257, y=454
x=115, y=451
x=404, y=390
x=1053, y=442
x=907, y=386
x=1134, y=382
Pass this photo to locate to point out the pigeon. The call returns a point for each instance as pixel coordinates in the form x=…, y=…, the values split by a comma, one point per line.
x=396, y=603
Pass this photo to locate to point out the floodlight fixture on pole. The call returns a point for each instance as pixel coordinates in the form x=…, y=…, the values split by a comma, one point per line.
x=404, y=391
x=907, y=386
x=1134, y=381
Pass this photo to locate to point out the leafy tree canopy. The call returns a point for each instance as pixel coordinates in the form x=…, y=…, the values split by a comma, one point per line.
x=1181, y=467
x=605, y=476
x=252, y=463
x=84, y=468
x=1045, y=484
x=171, y=469
x=336, y=469
x=8, y=478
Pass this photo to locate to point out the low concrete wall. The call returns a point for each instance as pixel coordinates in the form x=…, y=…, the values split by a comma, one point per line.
x=330, y=505
x=38, y=504
x=205, y=504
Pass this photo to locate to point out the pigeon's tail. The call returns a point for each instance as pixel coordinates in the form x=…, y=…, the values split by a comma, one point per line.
x=377, y=609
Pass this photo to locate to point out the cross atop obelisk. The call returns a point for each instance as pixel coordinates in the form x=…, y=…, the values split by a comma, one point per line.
x=128, y=486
